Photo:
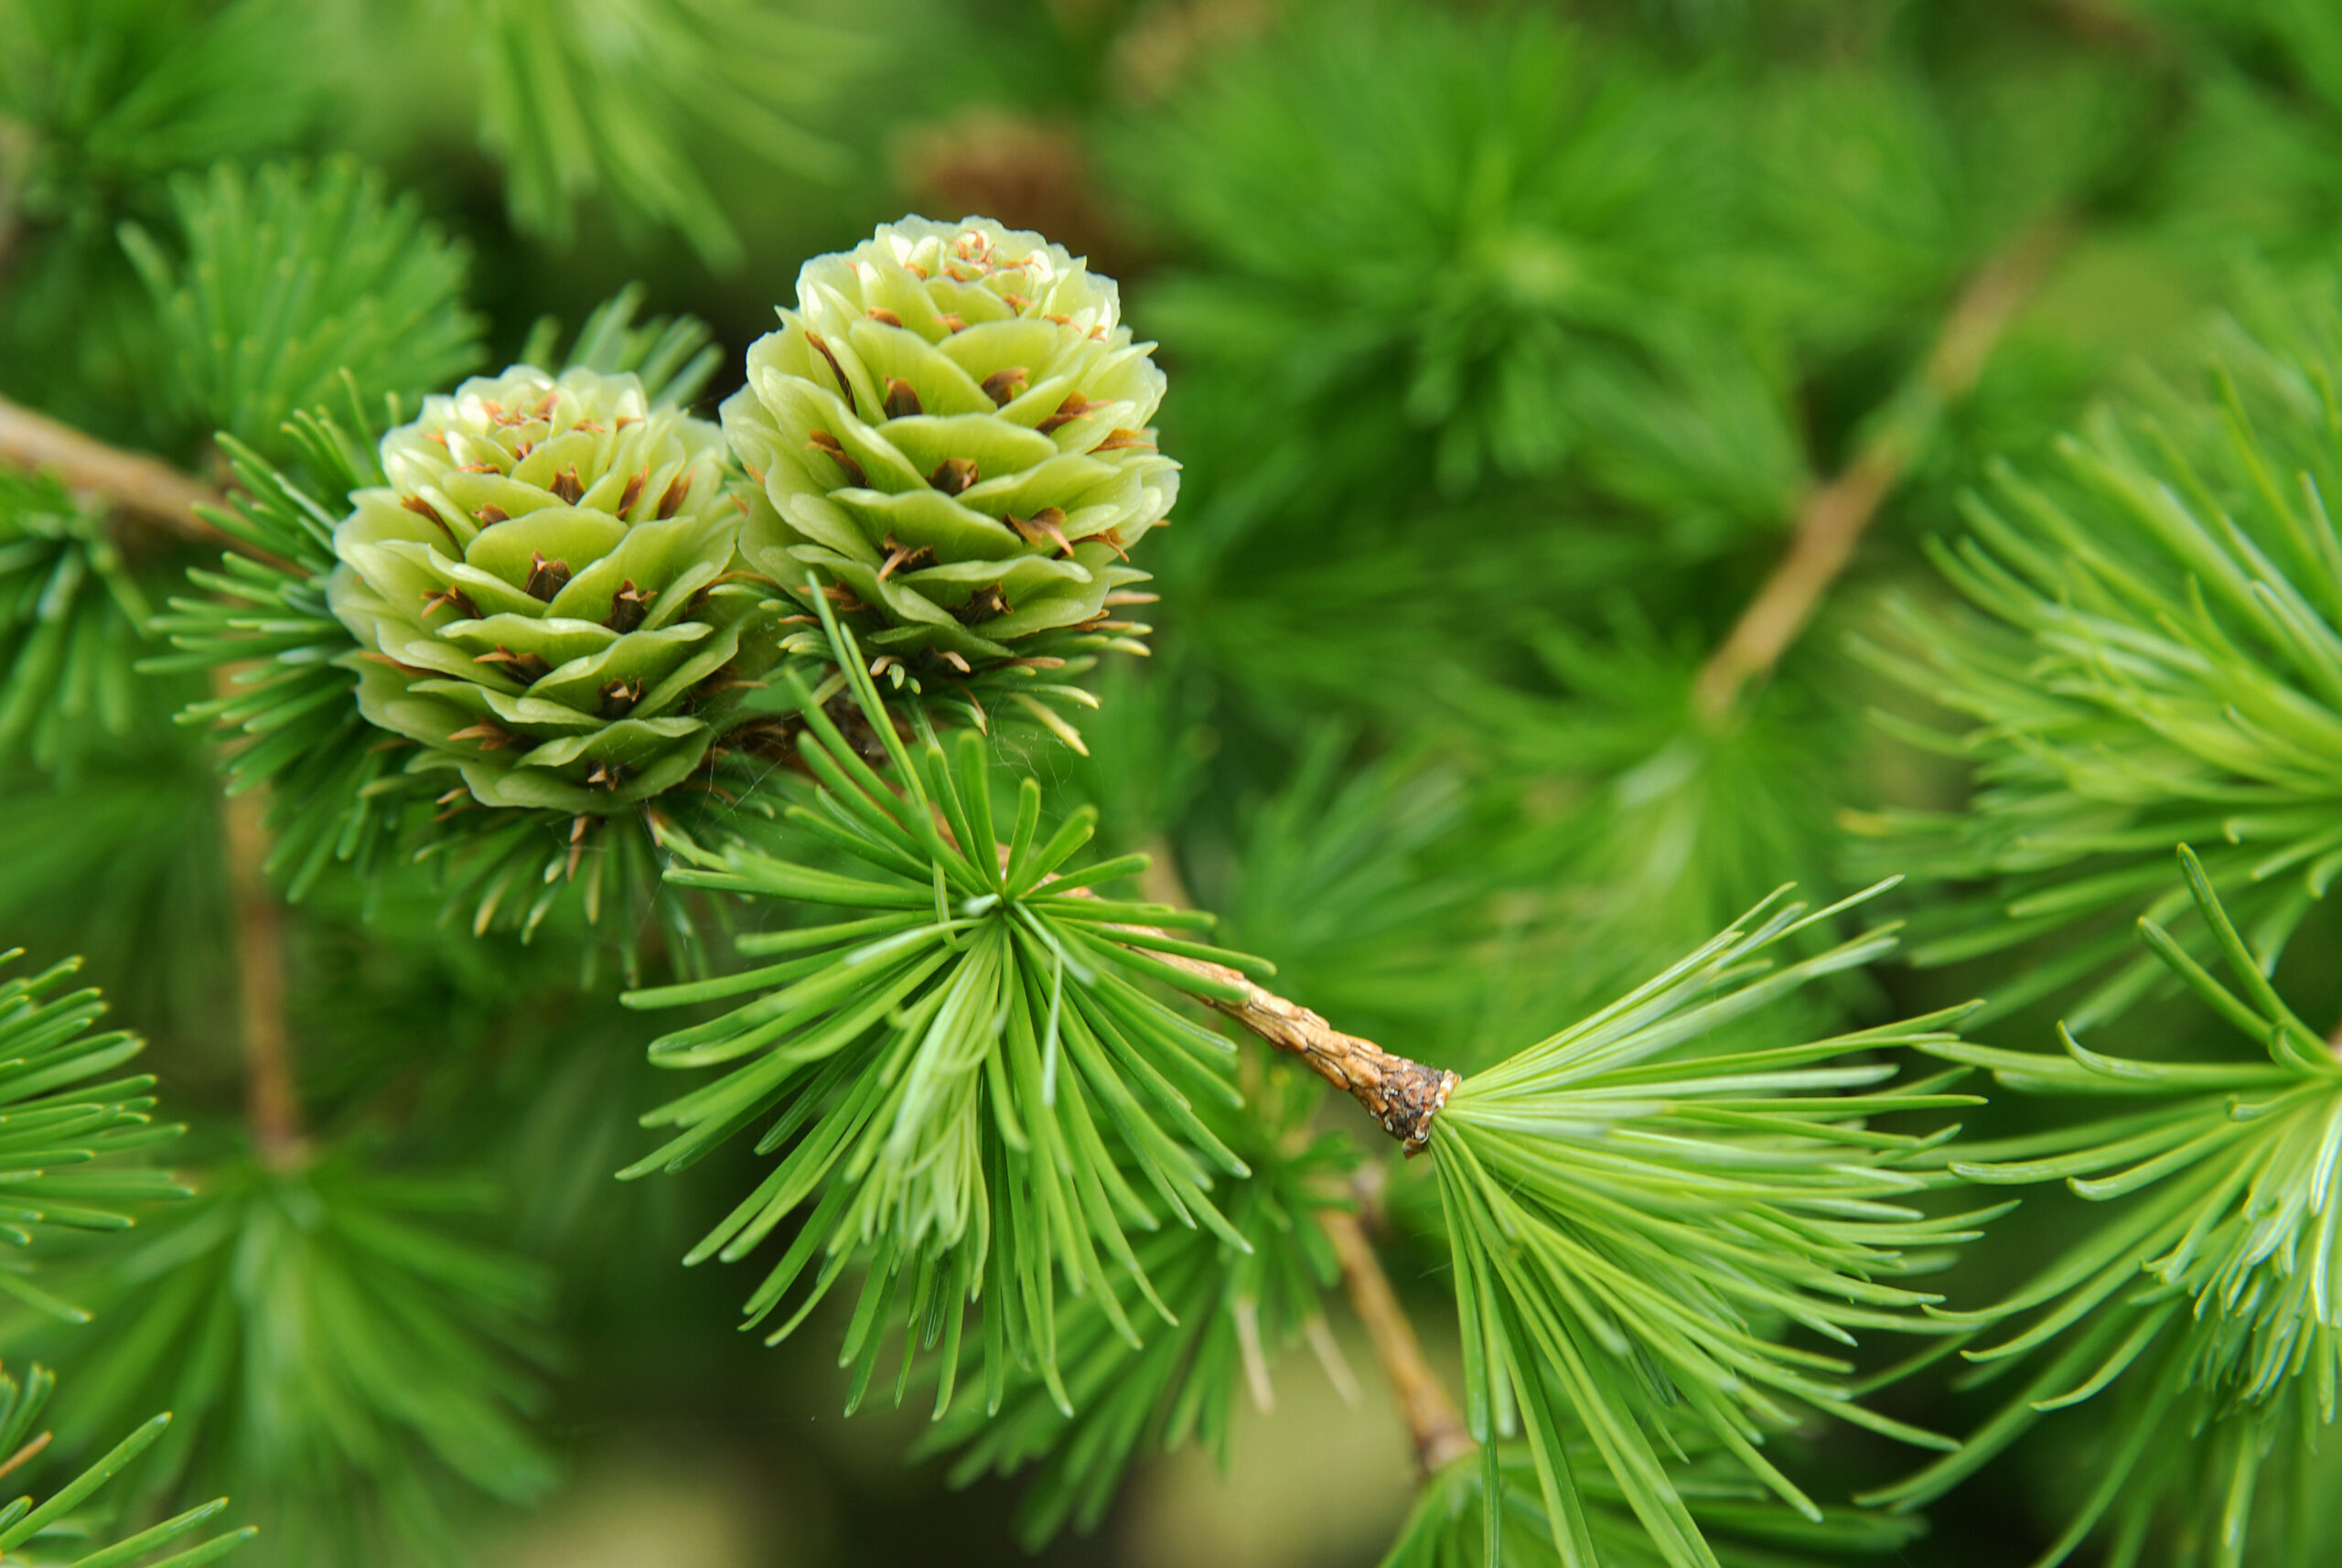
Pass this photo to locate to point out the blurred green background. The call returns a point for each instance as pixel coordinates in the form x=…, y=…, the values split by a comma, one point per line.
x=1506, y=343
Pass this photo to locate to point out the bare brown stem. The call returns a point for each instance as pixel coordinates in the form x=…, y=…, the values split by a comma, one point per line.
x=1832, y=519
x=272, y=1098
x=1400, y=1094
x=145, y=490
x=26, y=1452
x=1432, y=1421
x=16, y=156
x=151, y=493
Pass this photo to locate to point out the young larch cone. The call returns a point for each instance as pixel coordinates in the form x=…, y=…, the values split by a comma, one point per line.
x=951, y=432
x=545, y=593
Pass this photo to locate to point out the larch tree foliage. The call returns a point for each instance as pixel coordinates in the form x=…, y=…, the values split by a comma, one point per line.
x=1726, y=617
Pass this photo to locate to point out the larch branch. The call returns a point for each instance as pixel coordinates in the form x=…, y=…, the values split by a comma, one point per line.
x=151, y=493
x=1400, y=1094
x=272, y=1097
x=146, y=490
x=16, y=158
x=1432, y=1421
x=1832, y=519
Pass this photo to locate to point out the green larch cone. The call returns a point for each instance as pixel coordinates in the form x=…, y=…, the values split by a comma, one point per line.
x=951, y=430
x=542, y=594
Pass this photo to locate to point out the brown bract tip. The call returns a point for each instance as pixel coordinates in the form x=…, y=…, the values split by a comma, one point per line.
x=546, y=578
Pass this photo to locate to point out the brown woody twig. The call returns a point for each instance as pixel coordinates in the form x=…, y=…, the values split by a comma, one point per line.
x=150, y=493
x=1400, y=1094
x=1833, y=517
x=16, y=155
x=1432, y=1421
x=26, y=1452
x=1403, y=1096
x=272, y=1099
